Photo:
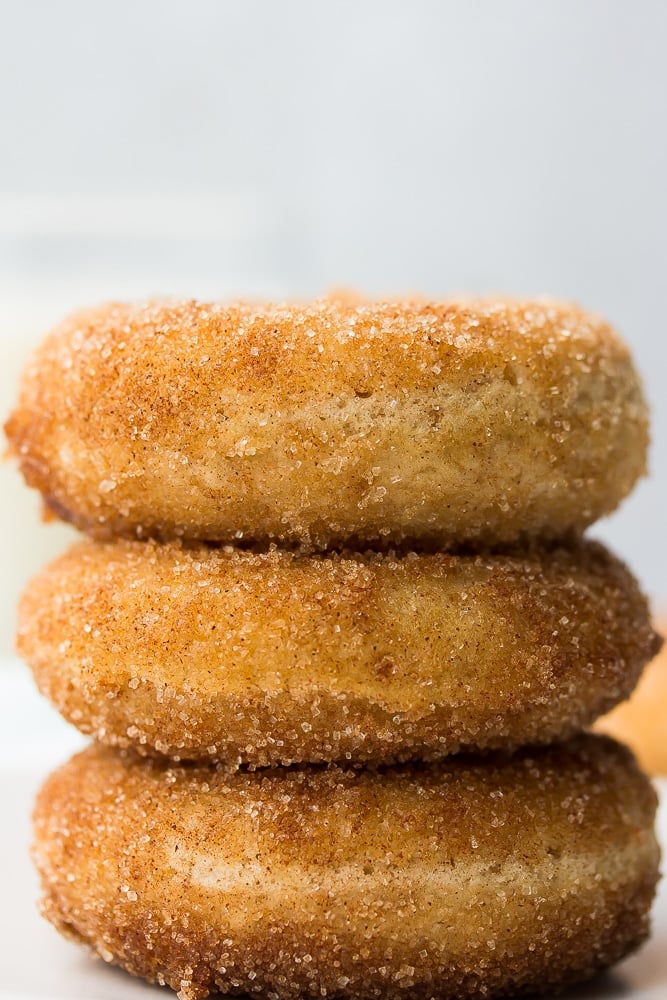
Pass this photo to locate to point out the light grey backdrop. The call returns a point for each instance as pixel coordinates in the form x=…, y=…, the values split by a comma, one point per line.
x=468, y=145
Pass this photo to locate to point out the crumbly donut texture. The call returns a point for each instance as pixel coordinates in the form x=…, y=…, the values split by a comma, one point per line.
x=463, y=879
x=333, y=422
x=275, y=657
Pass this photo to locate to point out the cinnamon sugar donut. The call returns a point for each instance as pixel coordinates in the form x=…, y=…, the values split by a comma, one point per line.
x=332, y=423
x=457, y=880
x=277, y=657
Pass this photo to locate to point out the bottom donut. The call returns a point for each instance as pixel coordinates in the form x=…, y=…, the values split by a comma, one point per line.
x=468, y=878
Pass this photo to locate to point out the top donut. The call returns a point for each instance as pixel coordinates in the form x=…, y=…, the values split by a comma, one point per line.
x=435, y=424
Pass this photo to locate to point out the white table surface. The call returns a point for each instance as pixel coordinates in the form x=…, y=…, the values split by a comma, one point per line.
x=36, y=964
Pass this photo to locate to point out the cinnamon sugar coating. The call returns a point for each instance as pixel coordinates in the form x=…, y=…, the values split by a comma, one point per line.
x=455, y=880
x=275, y=657
x=332, y=423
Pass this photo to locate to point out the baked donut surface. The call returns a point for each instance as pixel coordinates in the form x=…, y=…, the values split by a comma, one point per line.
x=462, y=879
x=333, y=422
x=276, y=657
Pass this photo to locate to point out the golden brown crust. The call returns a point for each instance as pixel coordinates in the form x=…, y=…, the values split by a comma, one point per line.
x=276, y=657
x=464, y=879
x=641, y=722
x=335, y=421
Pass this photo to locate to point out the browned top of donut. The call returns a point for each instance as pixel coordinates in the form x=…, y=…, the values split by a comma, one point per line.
x=367, y=342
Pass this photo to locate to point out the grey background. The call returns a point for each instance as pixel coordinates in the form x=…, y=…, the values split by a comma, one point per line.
x=287, y=147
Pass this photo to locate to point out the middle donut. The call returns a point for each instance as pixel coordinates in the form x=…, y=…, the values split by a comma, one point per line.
x=277, y=657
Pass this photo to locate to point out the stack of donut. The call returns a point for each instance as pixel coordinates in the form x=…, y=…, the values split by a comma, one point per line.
x=337, y=634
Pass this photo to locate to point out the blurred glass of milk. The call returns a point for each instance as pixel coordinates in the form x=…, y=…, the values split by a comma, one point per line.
x=60, y=253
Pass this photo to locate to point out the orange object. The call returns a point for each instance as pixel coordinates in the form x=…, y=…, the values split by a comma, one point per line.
x=641, y=722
